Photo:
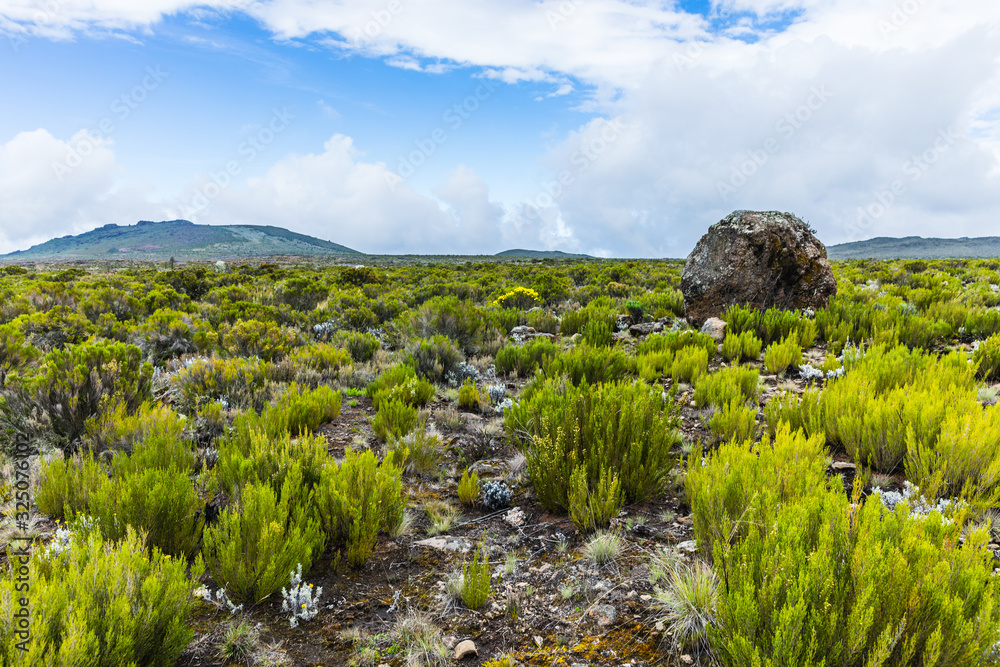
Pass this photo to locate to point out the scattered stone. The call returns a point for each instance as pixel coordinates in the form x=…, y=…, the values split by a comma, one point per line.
x=489, y=467
x=446, y=543
x=842, y=465
x=539, y=641
x=687, y=659
x=515, y=517
x=465, y=649
x=645, y=328
x=604, y=614
x=690, y=546
x=762, y=258
x=576, y=338
x=715, y=328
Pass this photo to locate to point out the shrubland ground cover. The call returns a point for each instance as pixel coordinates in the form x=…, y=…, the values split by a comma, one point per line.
x=242, y=465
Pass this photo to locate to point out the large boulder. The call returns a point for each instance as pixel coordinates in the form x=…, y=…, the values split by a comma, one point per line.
x=761, y=258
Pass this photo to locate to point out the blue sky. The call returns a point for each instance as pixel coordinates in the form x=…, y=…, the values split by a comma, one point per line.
x=608, y=127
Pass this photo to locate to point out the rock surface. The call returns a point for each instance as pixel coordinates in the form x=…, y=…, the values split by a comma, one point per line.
x=715, y=328
x=762, y=258
x=465, y=649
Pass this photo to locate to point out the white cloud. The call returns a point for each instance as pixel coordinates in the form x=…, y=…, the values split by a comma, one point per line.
x=336, y=195
x=50, y=187
x=710, y=123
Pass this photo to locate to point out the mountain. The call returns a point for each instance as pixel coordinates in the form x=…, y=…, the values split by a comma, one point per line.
x=182, y=240
x=917, y=247
x=541, y=254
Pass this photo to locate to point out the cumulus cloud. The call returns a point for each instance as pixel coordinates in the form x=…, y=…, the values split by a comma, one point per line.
x=51, y=187
x=865, y=117
x=336, y=195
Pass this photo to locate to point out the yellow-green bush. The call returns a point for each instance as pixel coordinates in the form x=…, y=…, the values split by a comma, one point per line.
x=418, y=451
x=253, y=338
x=357, y=499
x=618, y=428
x=725, y=385
x=97, y=603
x=689, y=363
x=261, y=538
x=66, y=484
x=241, y=383
x=525, y=359
x=399, y=383
x=987, y=359
x=468, y=396
x=468, y=488
x=779, y=356
x=594, y=507
x=734, y=420
x=393, y=420
x=592, y=365
x=255, y=456
x=739, y=346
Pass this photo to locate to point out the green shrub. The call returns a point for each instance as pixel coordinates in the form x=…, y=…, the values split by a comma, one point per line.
x=542, y=321
x=241, y=383
x=262, y=537
x=597, y=333
x=689, y=363
x=303, y=411
x=399, y=383
x=801, y=412
x=871, y=587
x=593, y=508
x=654, y=365
x=449, y=316
x=361, y=346
x=73, y=384
x=635, y=310
x=592, y=365
x=618, y=428
x=476, y=579
x=66, y=484
x=468, y=488
x=161, y=503
x=324, y=359
x=418, y=451
x=741, y=485
x=675, y=341
x=393, y=420
x=987, y=359
x=737, y=347
x=357, y=499
x=101, y=604
x=253, y=338
x=734, y=420
x=468, y=396
x=525, y=359
x=725, y=385
x=433, y=358
x=250, y=454
x=779, y=356
x=169, y=333
x=117, y=429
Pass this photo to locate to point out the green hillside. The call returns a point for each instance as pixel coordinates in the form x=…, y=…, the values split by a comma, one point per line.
x=182, y=240
x=917, y=247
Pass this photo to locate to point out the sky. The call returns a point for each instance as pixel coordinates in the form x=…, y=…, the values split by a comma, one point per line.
x=617, y=128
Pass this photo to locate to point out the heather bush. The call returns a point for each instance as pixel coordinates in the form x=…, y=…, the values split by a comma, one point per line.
x=779, y=356
x=597, y=333
x=393, y=420
x=675, y=341
x=593, y=508
x=734, y=420
x=250, y=454
x=418, y=451
x=476, y=579
x=525, y=359
x=617, y=428
x=240, y=383
x=433, y=358
x=361, y=346
x=73, y=384
x=253, y=338
x=261, y=537
x=987, y=359
x=461, y=321
x=591, y=365
x=169, y=333
x=399, y=383
x=689, y=363
x=725, y=385
x=358, y=498
x=468, y=488
x=99, y=603
x=468, y=396
x=742, y=346
x=66, y=484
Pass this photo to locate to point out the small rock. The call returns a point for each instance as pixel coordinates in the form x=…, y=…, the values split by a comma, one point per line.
x=522, y=331
x=645, y=597
x=446, y=543
x=605, y=614
x=687, y=659
x=715, y=328
x=645, y=328
x=539, y=641
x=689, y=546
x=465, y=649
x=842, y=465
x=514, y=517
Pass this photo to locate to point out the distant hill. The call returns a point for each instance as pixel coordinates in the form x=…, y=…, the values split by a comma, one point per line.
x=917, y=247
x=182, y=240
x=541, y=254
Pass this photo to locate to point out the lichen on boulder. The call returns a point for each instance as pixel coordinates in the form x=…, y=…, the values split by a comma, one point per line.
x=760, y=258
